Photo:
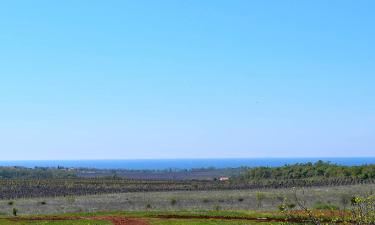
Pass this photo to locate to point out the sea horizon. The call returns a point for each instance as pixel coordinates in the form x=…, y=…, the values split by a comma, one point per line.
x=188, y=163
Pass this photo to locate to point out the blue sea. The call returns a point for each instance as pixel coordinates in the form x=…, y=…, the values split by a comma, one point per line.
x=160, y=164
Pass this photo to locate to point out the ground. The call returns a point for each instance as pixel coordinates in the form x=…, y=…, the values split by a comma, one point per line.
x=152, y=218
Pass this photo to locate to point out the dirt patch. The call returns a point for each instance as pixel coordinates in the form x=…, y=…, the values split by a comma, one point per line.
x=118, y=220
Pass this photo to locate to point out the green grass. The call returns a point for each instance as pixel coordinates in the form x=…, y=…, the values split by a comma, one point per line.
x=201, y=222
x=66, y=222
x=152, y=213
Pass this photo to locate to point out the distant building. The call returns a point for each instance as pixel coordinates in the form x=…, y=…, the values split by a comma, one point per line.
x=223, y=178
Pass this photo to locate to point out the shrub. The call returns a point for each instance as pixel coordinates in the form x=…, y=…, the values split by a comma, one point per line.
x=173, y=201
x=14, y=211
x=11, y=203
x=206, y=200
x=43, y=202
x=363, y=210
x=240, y=199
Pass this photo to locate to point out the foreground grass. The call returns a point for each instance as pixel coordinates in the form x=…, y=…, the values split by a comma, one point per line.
x=201, y=222
x=46, y=222
x=173, y=217
x=155, y=213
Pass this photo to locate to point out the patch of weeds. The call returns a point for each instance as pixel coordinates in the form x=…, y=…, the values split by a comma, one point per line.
x=173, y=201
x=206, y=200
x=14, y=211
x=325, y=206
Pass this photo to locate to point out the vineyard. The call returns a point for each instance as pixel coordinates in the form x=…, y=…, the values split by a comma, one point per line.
x=28, y=188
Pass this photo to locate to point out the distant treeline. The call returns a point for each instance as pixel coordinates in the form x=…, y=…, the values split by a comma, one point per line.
x=318, y=170
x=37, y=173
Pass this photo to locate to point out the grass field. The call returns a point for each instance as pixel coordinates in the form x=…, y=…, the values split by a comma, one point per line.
x=231, y=207
x=182, y=200
x=47, y=222
x=150, y=218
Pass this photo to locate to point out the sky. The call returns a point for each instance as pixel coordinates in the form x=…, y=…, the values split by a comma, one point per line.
x=186, y=79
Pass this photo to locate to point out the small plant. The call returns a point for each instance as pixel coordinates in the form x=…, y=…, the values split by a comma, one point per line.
x=11, y=203
x=148, y=206
x=291, y=205
x=217, y=207
x=43, y=202
x=345, y=200
x=173, y=201
x=14, y=211
x=260, y=196
x=363, y=210
x=286, y=206
x=206, y=200
x=240, y=199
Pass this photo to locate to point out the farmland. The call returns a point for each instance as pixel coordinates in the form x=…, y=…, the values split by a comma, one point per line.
x=51, y=182
x=257, y=199
x=61, y=196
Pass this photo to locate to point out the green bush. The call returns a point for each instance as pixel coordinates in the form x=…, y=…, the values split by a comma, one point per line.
x=14, y=211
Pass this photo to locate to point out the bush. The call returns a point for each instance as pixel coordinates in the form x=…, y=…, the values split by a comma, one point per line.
x=363, y=210
x=173, y=201
x=11, y=203
x=240, y=199
x=14, y=211
x=206, y=200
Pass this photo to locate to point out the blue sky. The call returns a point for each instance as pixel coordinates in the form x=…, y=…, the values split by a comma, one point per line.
x=195, y=79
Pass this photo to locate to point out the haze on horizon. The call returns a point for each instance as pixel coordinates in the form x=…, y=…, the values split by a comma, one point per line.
x=194, y=79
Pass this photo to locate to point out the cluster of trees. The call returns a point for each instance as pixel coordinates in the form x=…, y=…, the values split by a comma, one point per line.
x=38, y=173
x=318, y=170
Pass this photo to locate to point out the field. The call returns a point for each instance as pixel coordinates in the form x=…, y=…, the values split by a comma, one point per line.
x=262, y=195
x=156, y=218
x=259, y=199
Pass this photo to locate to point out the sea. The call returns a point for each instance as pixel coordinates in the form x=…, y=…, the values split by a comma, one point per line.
x=182, y=164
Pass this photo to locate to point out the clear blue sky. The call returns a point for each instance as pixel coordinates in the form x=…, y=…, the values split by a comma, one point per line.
x=197, y=79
